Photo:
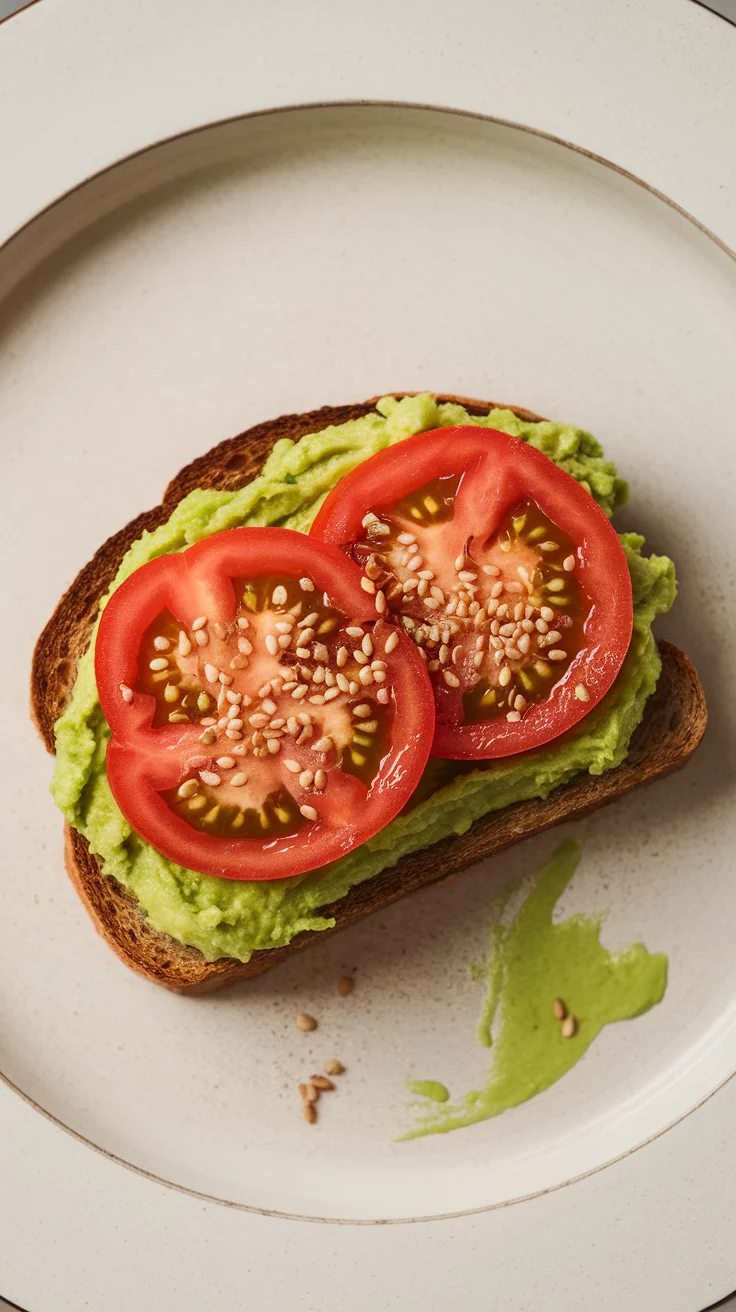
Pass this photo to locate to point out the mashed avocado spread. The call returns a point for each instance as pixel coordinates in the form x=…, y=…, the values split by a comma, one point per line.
x=532, y=960
x=228, y=918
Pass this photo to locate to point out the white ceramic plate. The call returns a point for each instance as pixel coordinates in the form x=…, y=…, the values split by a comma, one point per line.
x=278, y=262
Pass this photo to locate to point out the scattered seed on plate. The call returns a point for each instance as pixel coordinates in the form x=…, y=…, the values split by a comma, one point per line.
x=305, y=1022
x=345, y=985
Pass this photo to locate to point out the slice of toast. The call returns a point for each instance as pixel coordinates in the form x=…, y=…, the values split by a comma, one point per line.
x=673, y=725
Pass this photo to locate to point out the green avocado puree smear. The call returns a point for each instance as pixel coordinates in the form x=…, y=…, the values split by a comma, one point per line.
x=531, y=962
x=429, y=1089
x=228, y=918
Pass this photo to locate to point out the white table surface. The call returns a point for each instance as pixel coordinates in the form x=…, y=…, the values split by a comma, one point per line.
x=727, y=8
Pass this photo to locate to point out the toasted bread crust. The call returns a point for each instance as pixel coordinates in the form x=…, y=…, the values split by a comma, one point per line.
x=672, y=727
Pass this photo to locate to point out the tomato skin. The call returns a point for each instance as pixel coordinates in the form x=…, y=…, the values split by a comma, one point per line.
x=143, y=762
x=498, y=471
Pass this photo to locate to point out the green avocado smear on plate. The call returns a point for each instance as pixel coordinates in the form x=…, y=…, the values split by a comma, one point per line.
x=227, y=918
x=533, y=961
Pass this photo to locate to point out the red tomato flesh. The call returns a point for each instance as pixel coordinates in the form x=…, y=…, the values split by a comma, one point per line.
x=264, y=719
x=505, y=573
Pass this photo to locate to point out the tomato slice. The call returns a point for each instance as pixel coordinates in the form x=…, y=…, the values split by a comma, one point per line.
x=504, y=571
x=264, y=719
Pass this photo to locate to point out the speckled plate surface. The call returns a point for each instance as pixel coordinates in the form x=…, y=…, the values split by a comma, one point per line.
x=273, y=262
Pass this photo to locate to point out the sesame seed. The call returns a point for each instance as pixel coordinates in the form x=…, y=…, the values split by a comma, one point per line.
x=201, y=638
x=238, y=780
x=271, y=644
x=159, y=664
x=422, y=588
x=354, y=687
x=343, y=683
x=324, y=744
x=306, y=585
x=331, y=694
x=491, y=570
x=321, y=652
x=269, y=706
x=569, y=1027
x=305, y=778
x=208, y=737
x=188, y=788
x=547, y=613
x=497, y=589
x=450, y=679
x=293, y=765
x=383, y=695
x=366, y=676
x=199, y=623
x=367, y=585
x=581, y=692
x=504, y=677
x=380, y=602
x=235, y=724
x=225, y=762
x=274, y=745
x=557, y=655
x=211, y=673
x=225, y=679
x=309, y=813
x=523, y=643
x=363, y=711
x=209, y=777
x=467, y=576
x=171, y=693
x=520, y=702
x=259, y=721
x=460, y=561
x=126, y=692
x=278, y=596
x=161, y=644
x=184, y=646
x=320, y=780
x=513, y=717
x=568, y=564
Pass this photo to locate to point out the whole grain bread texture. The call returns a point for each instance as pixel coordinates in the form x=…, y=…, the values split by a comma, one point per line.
x=672, y=727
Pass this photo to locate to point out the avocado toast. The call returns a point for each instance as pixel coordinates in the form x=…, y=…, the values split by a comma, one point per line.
x=482, y=810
